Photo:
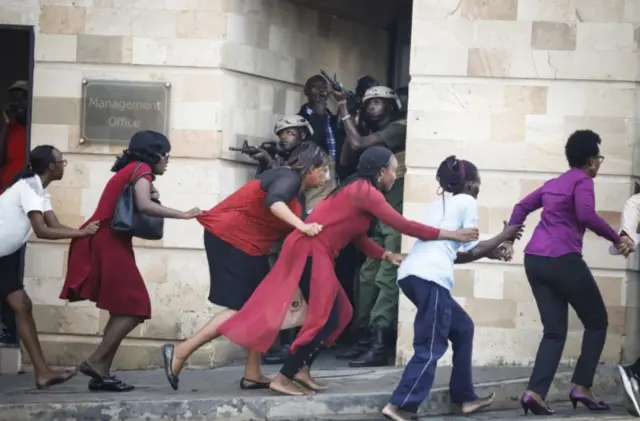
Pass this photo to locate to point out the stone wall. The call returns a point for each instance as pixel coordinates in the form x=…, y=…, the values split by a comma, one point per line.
x=503, y=83
x=234, y=66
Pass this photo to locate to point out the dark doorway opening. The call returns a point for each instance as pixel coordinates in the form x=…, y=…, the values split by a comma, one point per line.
x=17, y=65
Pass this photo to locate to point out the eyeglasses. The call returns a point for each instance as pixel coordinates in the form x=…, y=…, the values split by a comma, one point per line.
x=63, y=162
x=600, y=158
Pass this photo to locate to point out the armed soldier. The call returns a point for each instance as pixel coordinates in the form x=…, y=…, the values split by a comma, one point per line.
x=363, y=85
x=291, y=132
x=377, y=307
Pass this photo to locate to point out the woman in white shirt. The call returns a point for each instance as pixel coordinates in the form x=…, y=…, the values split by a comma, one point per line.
x=426, y=277
x=25, y=207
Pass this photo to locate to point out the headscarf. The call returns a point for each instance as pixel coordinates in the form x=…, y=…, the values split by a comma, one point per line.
x=370, y=163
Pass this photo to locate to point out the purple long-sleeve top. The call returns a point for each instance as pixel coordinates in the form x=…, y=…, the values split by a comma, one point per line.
x=568, y=209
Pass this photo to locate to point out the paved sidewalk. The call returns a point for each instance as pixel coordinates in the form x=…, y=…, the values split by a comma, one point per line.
x=215, y=395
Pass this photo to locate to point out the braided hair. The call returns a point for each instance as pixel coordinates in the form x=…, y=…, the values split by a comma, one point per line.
x=454, y=175
x=306, y=156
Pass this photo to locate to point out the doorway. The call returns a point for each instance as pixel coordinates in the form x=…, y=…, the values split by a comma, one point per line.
x=17, y=65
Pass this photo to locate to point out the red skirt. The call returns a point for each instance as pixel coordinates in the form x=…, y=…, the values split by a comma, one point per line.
x=102, y=269
x=259, y=321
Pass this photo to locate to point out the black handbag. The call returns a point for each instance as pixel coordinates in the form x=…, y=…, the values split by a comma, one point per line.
x=127, y=219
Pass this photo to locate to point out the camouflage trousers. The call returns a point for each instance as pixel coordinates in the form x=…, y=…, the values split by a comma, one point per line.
x=377, y=304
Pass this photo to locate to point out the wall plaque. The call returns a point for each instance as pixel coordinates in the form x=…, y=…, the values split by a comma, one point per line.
x=112, y=111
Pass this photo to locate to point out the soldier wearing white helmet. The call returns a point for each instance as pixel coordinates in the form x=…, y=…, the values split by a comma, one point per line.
x=377, y=308
x=291, y=131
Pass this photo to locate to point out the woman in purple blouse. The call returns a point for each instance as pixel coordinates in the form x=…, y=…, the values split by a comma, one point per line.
x=558, y=275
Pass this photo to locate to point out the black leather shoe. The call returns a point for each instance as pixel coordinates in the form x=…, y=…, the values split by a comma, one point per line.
x=377, y=355
x=277, y=356
x=357, y=349
x=109, y=384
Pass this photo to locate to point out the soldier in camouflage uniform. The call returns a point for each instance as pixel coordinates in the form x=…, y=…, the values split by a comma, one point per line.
x=377, y=305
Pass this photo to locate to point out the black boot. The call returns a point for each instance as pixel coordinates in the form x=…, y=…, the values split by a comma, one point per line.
x=276, y=355
x=378, y=353
x=357, y=349
x=279, y=353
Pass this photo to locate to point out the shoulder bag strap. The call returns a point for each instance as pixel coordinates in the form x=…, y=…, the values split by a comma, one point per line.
x=135, y=179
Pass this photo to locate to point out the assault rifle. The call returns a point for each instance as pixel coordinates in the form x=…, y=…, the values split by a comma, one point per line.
x=271, y=147
x=354, y=102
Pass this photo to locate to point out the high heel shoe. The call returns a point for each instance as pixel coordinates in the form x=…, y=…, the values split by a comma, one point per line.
x=528, y=403
x=589, y=403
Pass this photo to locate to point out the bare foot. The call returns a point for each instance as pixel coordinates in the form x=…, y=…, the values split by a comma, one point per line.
x=478, y=404
x=52, y=378
x=177, y=365
x=286, y=386
x=394, y=413
x=304, y=378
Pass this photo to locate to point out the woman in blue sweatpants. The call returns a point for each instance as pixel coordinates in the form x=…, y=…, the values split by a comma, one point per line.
x=426, y=278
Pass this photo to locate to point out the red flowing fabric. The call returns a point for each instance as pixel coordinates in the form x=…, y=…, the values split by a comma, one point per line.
x=345, y=217
x=244, y=221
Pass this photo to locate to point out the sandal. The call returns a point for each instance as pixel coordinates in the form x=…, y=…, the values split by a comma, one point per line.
x=247, y=384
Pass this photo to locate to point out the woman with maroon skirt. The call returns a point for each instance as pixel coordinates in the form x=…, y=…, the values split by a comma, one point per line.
x=239, y=233
x=103, y=269
x=308, y=263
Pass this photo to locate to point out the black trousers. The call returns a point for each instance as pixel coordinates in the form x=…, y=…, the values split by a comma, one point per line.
x=558, y=282
x=306, y=354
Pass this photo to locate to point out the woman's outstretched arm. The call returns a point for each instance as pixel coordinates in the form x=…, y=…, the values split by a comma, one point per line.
x=373, y=202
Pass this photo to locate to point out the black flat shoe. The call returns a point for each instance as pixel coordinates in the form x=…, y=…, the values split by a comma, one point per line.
x=109, y=384
x=167, y=356
x=246, y=384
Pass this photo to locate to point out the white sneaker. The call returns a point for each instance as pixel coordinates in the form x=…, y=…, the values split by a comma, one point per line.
x=631, y=388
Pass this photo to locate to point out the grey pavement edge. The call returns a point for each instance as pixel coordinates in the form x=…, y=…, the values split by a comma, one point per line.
x=354, y=395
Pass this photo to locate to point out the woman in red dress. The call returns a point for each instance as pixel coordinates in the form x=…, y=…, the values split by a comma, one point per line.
x=239, y=233
x=103, y=269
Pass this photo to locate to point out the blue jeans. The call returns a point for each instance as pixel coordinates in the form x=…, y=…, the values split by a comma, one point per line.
x=439, y=319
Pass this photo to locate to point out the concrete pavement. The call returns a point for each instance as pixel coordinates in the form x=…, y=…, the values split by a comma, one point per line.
x=215, y=395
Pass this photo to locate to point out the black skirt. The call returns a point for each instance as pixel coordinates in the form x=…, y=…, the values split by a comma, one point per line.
x=235, y=275
x=11, y=273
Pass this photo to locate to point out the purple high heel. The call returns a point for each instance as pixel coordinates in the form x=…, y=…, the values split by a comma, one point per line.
x=530, y=404
x=589, y=403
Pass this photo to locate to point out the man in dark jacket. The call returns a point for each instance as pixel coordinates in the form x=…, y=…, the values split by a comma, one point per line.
x=326, y=131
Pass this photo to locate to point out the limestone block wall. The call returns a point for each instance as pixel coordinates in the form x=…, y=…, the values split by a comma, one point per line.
x=503, y=84
x=234, y=66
